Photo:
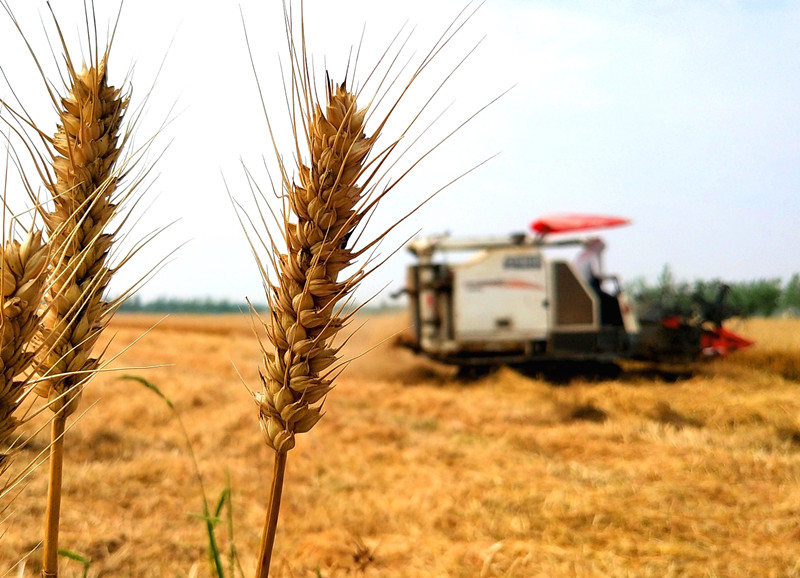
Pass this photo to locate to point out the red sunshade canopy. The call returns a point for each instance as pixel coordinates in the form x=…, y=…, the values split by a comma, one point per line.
x=573, y=222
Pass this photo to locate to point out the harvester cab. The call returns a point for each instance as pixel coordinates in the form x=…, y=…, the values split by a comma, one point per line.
x=513, y=299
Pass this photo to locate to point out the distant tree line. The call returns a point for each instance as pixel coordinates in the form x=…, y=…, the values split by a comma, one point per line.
x=756, y=298
x=197, y=305
x=210, y=306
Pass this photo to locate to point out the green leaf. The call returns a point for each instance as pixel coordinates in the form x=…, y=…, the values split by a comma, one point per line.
x=222, y=499
x=77, y=558
x=151, y=387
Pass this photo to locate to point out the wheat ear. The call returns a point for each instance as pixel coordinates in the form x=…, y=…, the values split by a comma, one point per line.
x=86, y=149
x=22, y=285
x=90, y=183
x=302, y=318
x=339, y=182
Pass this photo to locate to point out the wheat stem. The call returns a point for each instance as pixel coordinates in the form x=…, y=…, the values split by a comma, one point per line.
x=91, y=183
x=85, y=150
x=271, y=521
x=304, y=317
x=53, y=511
x=326, y=202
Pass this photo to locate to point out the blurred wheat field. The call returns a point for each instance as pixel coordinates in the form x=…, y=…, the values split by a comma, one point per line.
x=412, y=473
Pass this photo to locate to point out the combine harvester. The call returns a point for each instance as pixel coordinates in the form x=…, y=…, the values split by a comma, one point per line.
x=512, y=301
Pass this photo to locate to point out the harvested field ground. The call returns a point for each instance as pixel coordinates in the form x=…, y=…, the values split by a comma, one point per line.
x=411, y=474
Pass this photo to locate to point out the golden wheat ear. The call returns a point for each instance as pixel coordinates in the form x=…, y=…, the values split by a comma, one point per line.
x=302, y=318
x=310, y=270
x=85, y=150
x=340, y=179
x=94, y=180
x=23, y=273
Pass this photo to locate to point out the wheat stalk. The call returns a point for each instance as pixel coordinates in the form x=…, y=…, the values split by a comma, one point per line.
x=303, y=318
x=83, y=168
x=86, y=150
x=340, y=179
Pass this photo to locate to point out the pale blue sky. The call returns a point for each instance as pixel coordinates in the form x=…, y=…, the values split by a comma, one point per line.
x=683, y=116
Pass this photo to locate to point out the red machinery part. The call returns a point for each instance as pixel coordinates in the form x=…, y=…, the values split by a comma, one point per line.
x=720, y=341
x=566, y=223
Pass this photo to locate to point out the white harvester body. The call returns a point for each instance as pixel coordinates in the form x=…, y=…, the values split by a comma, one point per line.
x=511, y=301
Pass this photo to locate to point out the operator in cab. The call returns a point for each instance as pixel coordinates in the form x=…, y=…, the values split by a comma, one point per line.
x=589, y=264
